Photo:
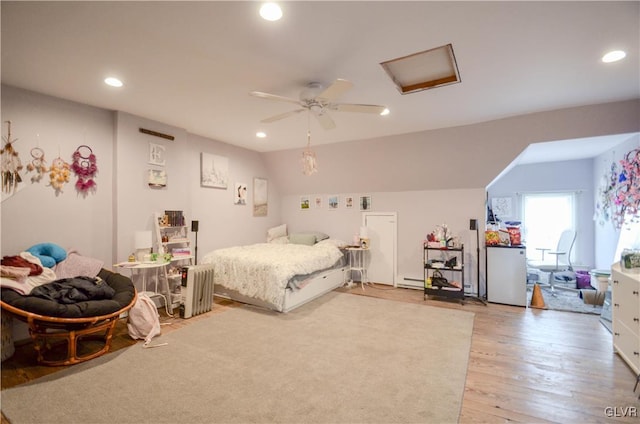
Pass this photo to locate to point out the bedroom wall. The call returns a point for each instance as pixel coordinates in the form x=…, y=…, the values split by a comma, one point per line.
x=418, y=213
x=575, y=176
x=410, y=168
x=606, y=236
x=221, y=222
x=36, y=213
x=102, y=225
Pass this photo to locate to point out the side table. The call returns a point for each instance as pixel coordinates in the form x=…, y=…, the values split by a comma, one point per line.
x=160, y=269
x=358, y=263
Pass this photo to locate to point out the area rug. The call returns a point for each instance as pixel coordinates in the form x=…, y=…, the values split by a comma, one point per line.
x=565, y=300
x=339, y=359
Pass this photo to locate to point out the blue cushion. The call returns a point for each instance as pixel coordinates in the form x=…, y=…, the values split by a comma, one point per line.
x=48, y=253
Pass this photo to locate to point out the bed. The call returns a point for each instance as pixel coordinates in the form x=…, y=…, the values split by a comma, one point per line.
x=278, y=276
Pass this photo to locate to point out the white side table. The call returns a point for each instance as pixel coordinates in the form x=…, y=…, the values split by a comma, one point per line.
x=160, y=269
x=358, y=263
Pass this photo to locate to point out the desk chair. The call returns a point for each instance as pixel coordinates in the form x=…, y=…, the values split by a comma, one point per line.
x=559, y=260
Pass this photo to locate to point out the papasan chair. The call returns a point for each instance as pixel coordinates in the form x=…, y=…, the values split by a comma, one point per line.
x=51, y=323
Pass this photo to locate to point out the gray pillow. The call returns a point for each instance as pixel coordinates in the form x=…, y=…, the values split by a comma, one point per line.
x=300, y=238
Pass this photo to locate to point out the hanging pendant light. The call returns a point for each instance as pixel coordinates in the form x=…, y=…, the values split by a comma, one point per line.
x=309, y=160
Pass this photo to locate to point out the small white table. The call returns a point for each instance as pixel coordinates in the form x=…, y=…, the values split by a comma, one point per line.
x=357, y=263
x=143, y=268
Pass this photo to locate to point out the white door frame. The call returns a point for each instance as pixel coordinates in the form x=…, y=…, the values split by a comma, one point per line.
x=394, y=217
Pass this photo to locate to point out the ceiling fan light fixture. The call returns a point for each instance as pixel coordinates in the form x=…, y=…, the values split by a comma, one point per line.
x=270, y=11
x=261, y=134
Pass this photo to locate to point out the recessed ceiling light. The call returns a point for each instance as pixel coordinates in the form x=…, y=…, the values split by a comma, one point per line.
x=113, y=82
x=271, y=11
x=385, y=112
x=613, y=56
x=261, y=134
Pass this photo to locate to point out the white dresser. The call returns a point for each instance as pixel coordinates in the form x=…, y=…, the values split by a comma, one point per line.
x=626, y=315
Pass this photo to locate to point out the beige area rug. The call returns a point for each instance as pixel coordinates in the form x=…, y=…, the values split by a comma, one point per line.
x=340, y=359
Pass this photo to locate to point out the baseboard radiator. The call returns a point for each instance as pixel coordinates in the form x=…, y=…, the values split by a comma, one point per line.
x=197, y=290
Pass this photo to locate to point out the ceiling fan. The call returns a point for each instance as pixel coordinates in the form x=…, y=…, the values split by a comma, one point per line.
x=320, y=101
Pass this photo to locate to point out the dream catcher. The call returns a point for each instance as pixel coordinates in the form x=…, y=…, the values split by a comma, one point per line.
x=37, y=164
x=59, y=174
x=11, y=165
x=85, y=168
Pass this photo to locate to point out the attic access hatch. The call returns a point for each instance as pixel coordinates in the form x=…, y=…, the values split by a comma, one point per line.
x=424, y=70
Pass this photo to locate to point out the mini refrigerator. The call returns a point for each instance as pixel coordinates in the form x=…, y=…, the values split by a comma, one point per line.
x=507, y=275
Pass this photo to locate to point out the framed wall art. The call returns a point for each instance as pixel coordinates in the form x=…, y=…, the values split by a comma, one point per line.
x=157, y=153
x=348, y=202
x=365, y=203
x=240, y=194
x=305, y=203
x=333, y=202
x=214, y=170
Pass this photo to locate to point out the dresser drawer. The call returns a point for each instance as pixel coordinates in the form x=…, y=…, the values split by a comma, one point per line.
x=627, y=344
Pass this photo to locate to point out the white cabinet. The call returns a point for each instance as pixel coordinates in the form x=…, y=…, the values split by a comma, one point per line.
x=625, y=293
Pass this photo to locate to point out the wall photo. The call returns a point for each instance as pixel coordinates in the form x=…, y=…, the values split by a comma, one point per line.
x=214, y=171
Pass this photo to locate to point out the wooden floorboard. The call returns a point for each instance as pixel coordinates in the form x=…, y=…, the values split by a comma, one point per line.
x=525, y=365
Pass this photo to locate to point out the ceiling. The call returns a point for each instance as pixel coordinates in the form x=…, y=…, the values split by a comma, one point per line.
x=193, y=64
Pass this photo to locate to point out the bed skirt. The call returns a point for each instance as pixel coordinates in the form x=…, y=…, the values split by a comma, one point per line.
x=309, y=289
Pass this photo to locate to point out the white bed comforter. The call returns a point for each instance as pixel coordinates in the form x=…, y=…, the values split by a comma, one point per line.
x=263, y=270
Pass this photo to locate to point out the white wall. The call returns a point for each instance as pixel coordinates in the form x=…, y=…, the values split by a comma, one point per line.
x=36, y=214
x=606, y=235
x=418, y=214
x=574, y=176
x=102, y=225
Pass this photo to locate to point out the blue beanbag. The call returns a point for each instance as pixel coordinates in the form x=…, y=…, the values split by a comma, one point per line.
x=48, y=253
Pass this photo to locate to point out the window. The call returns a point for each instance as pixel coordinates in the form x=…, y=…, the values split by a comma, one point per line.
x=544, y=217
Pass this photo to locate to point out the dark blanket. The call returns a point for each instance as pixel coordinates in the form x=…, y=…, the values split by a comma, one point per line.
x=74, y=290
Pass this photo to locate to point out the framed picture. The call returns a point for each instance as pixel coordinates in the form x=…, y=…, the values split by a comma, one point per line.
x=214, y=170
x=240, y=194
x=317, y=202
x=260, y=197
x=348, y=202
x=365, y=203
x=157, y=178
x=502, y=207
x=304, y=203
x=157, y=154
x=333, y=202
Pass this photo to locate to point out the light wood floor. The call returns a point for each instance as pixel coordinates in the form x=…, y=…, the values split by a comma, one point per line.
x=526, y=365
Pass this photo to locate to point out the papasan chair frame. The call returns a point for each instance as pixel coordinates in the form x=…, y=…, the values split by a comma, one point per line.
x=47, y=330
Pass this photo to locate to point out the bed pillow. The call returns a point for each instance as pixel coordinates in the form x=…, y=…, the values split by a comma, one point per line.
x=280, y=240
x=318, y=235
x=48, y=253
x=333, y=242
x=276, y=232
x=307, y=239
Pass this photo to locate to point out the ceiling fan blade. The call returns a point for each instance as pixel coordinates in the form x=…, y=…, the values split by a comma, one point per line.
x=335, y=90
x=282, y=116
x=350, y=107
x=274, y=97
x=325, y=120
